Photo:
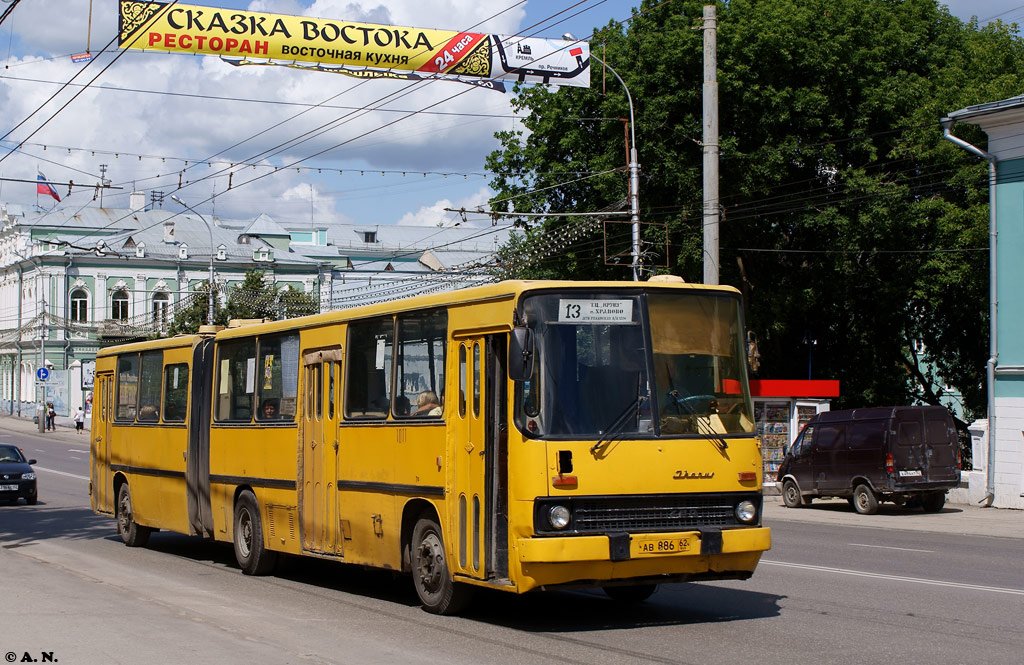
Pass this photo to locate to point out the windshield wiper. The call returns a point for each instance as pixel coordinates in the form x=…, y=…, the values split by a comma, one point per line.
x=633, y=409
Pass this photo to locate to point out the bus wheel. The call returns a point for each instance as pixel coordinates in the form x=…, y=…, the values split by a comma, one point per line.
x=434, y=584
x=864, y=500
x=250, y=553
x=933, y=501
x=791, y=495
x=132, y=534
x=630, y=594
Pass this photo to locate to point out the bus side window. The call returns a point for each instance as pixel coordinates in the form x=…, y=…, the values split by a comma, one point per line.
x=236, y=380
x=149, y=386
x=419, y=364
x=127, y=387
x=368, y=379
x=175, y=392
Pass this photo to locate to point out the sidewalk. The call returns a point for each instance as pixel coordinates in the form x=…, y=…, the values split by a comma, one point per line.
x=954, y=518
x=65, y=427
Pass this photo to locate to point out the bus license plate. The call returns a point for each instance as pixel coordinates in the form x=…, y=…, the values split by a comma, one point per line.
x=662, y=546
x=8, y=488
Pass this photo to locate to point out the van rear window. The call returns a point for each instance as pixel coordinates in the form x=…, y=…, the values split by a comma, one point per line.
x=909, y=434
x=937, y=431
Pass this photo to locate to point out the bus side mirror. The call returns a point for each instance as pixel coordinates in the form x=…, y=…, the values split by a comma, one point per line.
x=520, y=354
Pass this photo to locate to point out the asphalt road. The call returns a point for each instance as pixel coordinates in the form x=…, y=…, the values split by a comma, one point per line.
x=828, y=592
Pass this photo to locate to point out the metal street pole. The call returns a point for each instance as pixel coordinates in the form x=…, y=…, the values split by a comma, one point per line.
x=42, y=365
x=634, y=170
x=209, y=312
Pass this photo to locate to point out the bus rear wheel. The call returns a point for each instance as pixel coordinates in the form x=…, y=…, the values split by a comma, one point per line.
x=251, y=554
x=630, y=594
x=434, y=584
x=132, y=534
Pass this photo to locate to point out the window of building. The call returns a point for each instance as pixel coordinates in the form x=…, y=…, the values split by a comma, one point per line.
x=368, y=384
x=175, y=392
x=119, y=305
x=161, y=308
x=79, y=306
x=127, y=387
x=420, y=363
x=149, y=386
x=369, y=236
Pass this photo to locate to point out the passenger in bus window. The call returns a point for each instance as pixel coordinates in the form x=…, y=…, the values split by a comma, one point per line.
x=269, y=409
x=426, y=404
x=402, y=405
x=149, y=413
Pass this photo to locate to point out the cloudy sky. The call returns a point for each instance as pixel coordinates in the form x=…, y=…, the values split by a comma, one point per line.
x=163, y=120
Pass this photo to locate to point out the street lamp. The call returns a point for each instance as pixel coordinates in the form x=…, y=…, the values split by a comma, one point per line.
x=209, y=312
x=634, y=168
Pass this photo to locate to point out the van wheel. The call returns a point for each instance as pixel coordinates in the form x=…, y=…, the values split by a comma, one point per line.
x=791, y=495
x=864, y=500
x=933, y=501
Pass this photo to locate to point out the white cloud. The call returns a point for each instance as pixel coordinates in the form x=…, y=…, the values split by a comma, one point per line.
x=436, y=214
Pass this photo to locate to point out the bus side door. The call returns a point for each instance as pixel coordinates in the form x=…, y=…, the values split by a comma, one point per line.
x=102, y=411
x=480, y=547
x=319, y=452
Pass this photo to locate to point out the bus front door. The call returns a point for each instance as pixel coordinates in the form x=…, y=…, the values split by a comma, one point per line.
x=480, y=534
x=319, y=453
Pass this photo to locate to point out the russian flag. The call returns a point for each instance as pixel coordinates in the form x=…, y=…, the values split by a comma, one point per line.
x=43, y=187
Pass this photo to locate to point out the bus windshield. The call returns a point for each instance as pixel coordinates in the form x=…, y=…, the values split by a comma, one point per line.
x=657, y=364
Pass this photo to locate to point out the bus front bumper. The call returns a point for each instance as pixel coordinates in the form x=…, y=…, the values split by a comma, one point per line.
x=623, y=547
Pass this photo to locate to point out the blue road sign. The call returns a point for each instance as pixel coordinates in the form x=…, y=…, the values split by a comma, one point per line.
x=42, y=374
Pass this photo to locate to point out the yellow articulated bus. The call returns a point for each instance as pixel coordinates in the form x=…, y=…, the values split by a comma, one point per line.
x=517, y=436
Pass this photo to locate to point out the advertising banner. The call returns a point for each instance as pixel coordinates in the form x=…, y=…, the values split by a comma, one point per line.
x=363, y=50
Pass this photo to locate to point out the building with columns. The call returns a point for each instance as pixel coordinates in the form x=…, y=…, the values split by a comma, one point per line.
x=75, y=280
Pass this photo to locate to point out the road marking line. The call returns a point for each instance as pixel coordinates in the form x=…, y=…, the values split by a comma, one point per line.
x=61, y=473
x=885, y=547
x=77, y=451
x=896, y=578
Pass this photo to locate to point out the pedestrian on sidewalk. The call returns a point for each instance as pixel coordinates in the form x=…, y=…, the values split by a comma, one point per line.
x=79, y=420
x=51, y=415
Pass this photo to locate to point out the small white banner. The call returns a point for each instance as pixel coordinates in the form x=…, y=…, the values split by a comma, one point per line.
x=595, y=311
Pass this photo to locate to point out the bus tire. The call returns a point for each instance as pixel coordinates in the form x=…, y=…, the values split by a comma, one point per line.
x=434, y=584
x=864, y=500
x=630, y=594
x=251, y=554
x=131, y=533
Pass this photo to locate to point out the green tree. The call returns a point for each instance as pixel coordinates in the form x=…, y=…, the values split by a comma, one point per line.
x=846, y=219
x=252, y=299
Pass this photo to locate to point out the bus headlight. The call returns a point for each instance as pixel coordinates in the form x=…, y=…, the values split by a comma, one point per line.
x=558, y=517
x=746, y=512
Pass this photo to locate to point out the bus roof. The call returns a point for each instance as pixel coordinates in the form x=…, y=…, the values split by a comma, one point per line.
x=507, y=290
x=178, y=341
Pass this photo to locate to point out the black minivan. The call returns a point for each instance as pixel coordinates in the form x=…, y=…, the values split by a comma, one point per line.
x=870, y=455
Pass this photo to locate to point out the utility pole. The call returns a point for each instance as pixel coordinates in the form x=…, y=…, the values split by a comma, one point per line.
x=710, y=150
x=103, y=181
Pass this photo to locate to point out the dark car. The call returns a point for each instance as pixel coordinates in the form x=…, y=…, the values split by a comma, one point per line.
x=901, y=454
x=17, y=479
